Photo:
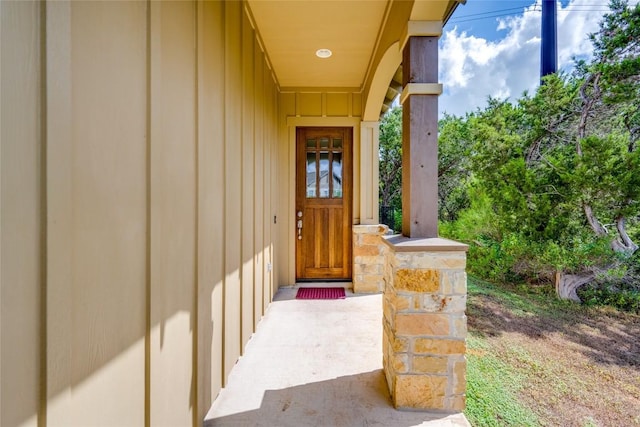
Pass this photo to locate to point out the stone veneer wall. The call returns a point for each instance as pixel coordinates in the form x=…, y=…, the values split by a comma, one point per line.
x=368, y=258
x=425, y=325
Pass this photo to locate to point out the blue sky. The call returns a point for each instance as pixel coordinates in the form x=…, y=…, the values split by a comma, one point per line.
x=492, y=48
x=479, y=17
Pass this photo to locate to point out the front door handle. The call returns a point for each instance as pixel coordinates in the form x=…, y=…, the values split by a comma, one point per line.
x=299, y=224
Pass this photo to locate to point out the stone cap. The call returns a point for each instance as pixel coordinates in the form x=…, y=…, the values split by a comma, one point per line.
x=379, y=229
x=401, y=243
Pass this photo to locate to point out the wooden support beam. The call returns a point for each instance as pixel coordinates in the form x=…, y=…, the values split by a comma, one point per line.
x=420, y=140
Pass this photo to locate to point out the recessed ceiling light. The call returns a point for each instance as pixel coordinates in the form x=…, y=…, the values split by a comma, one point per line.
x=323, y=53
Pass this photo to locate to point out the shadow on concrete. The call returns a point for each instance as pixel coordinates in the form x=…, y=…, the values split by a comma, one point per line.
x=354, y=400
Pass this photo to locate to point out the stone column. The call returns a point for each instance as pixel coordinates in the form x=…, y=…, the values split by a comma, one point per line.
x=368, y=258
x=425, y=325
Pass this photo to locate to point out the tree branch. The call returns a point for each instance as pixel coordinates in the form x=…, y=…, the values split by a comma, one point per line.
x=623, y=243
x=593, y=221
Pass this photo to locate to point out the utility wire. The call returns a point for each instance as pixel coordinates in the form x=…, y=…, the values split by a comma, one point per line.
x=603, y=4
x=515, y=9
x=500, y=13
x=469, y=18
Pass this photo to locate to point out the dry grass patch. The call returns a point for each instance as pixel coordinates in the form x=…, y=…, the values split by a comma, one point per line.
x=560, y=364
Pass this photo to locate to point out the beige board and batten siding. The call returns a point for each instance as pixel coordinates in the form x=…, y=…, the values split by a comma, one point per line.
x=21, y=211
x=95, y=191
x=138, y=153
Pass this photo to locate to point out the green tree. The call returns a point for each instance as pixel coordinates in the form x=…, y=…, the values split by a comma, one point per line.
x=562, y=167
x=390, y=169
x=606, y=162
x=453, y=167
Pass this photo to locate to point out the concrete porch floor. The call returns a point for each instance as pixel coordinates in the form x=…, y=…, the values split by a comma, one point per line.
x=316, y=363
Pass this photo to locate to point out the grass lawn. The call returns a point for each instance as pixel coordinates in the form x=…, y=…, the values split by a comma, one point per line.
x=537, y=361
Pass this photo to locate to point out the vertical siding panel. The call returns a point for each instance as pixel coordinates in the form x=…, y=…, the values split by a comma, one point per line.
x=286, y=168
x=266, y=290
x=97, y=213
x=173, y=201
x=59, y=213
x=248, y=149
x=233, y=176
x=287, y=108
x=109, y=211
x=218, y=262
x=21, y=212
x=211, y=200
x=275, y=190
x=286, y=193
x=269, y=136
x=259, y=186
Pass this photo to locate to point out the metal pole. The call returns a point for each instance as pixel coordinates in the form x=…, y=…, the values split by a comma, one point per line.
x=549, y=49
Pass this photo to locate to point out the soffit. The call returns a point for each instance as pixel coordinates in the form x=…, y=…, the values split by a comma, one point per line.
x=291, y=31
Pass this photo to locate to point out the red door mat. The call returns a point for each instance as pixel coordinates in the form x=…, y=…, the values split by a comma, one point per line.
x=320, y=293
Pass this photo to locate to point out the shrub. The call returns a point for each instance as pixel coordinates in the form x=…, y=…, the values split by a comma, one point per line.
x=397, y=220
x=622, y=299
x=619, y=288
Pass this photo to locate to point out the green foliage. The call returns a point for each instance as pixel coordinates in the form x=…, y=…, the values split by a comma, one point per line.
x=618, y=288
x=555, y=177
x=606, y=175
x=550, y=182
x=397, y=220
x=453, y=167
x=617, y=54
x=390, y=169
x=622, y=299
x=477, y=226
x=479, y=220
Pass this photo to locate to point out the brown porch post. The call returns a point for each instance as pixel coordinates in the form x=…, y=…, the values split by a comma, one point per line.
x=420, y=137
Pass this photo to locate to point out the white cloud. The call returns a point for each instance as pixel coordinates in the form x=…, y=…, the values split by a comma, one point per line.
x=472, y=68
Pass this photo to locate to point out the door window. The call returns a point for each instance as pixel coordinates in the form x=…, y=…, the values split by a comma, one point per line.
x=324, y=168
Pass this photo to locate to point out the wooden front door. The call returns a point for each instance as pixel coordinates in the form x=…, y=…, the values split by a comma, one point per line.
x=323, y=203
